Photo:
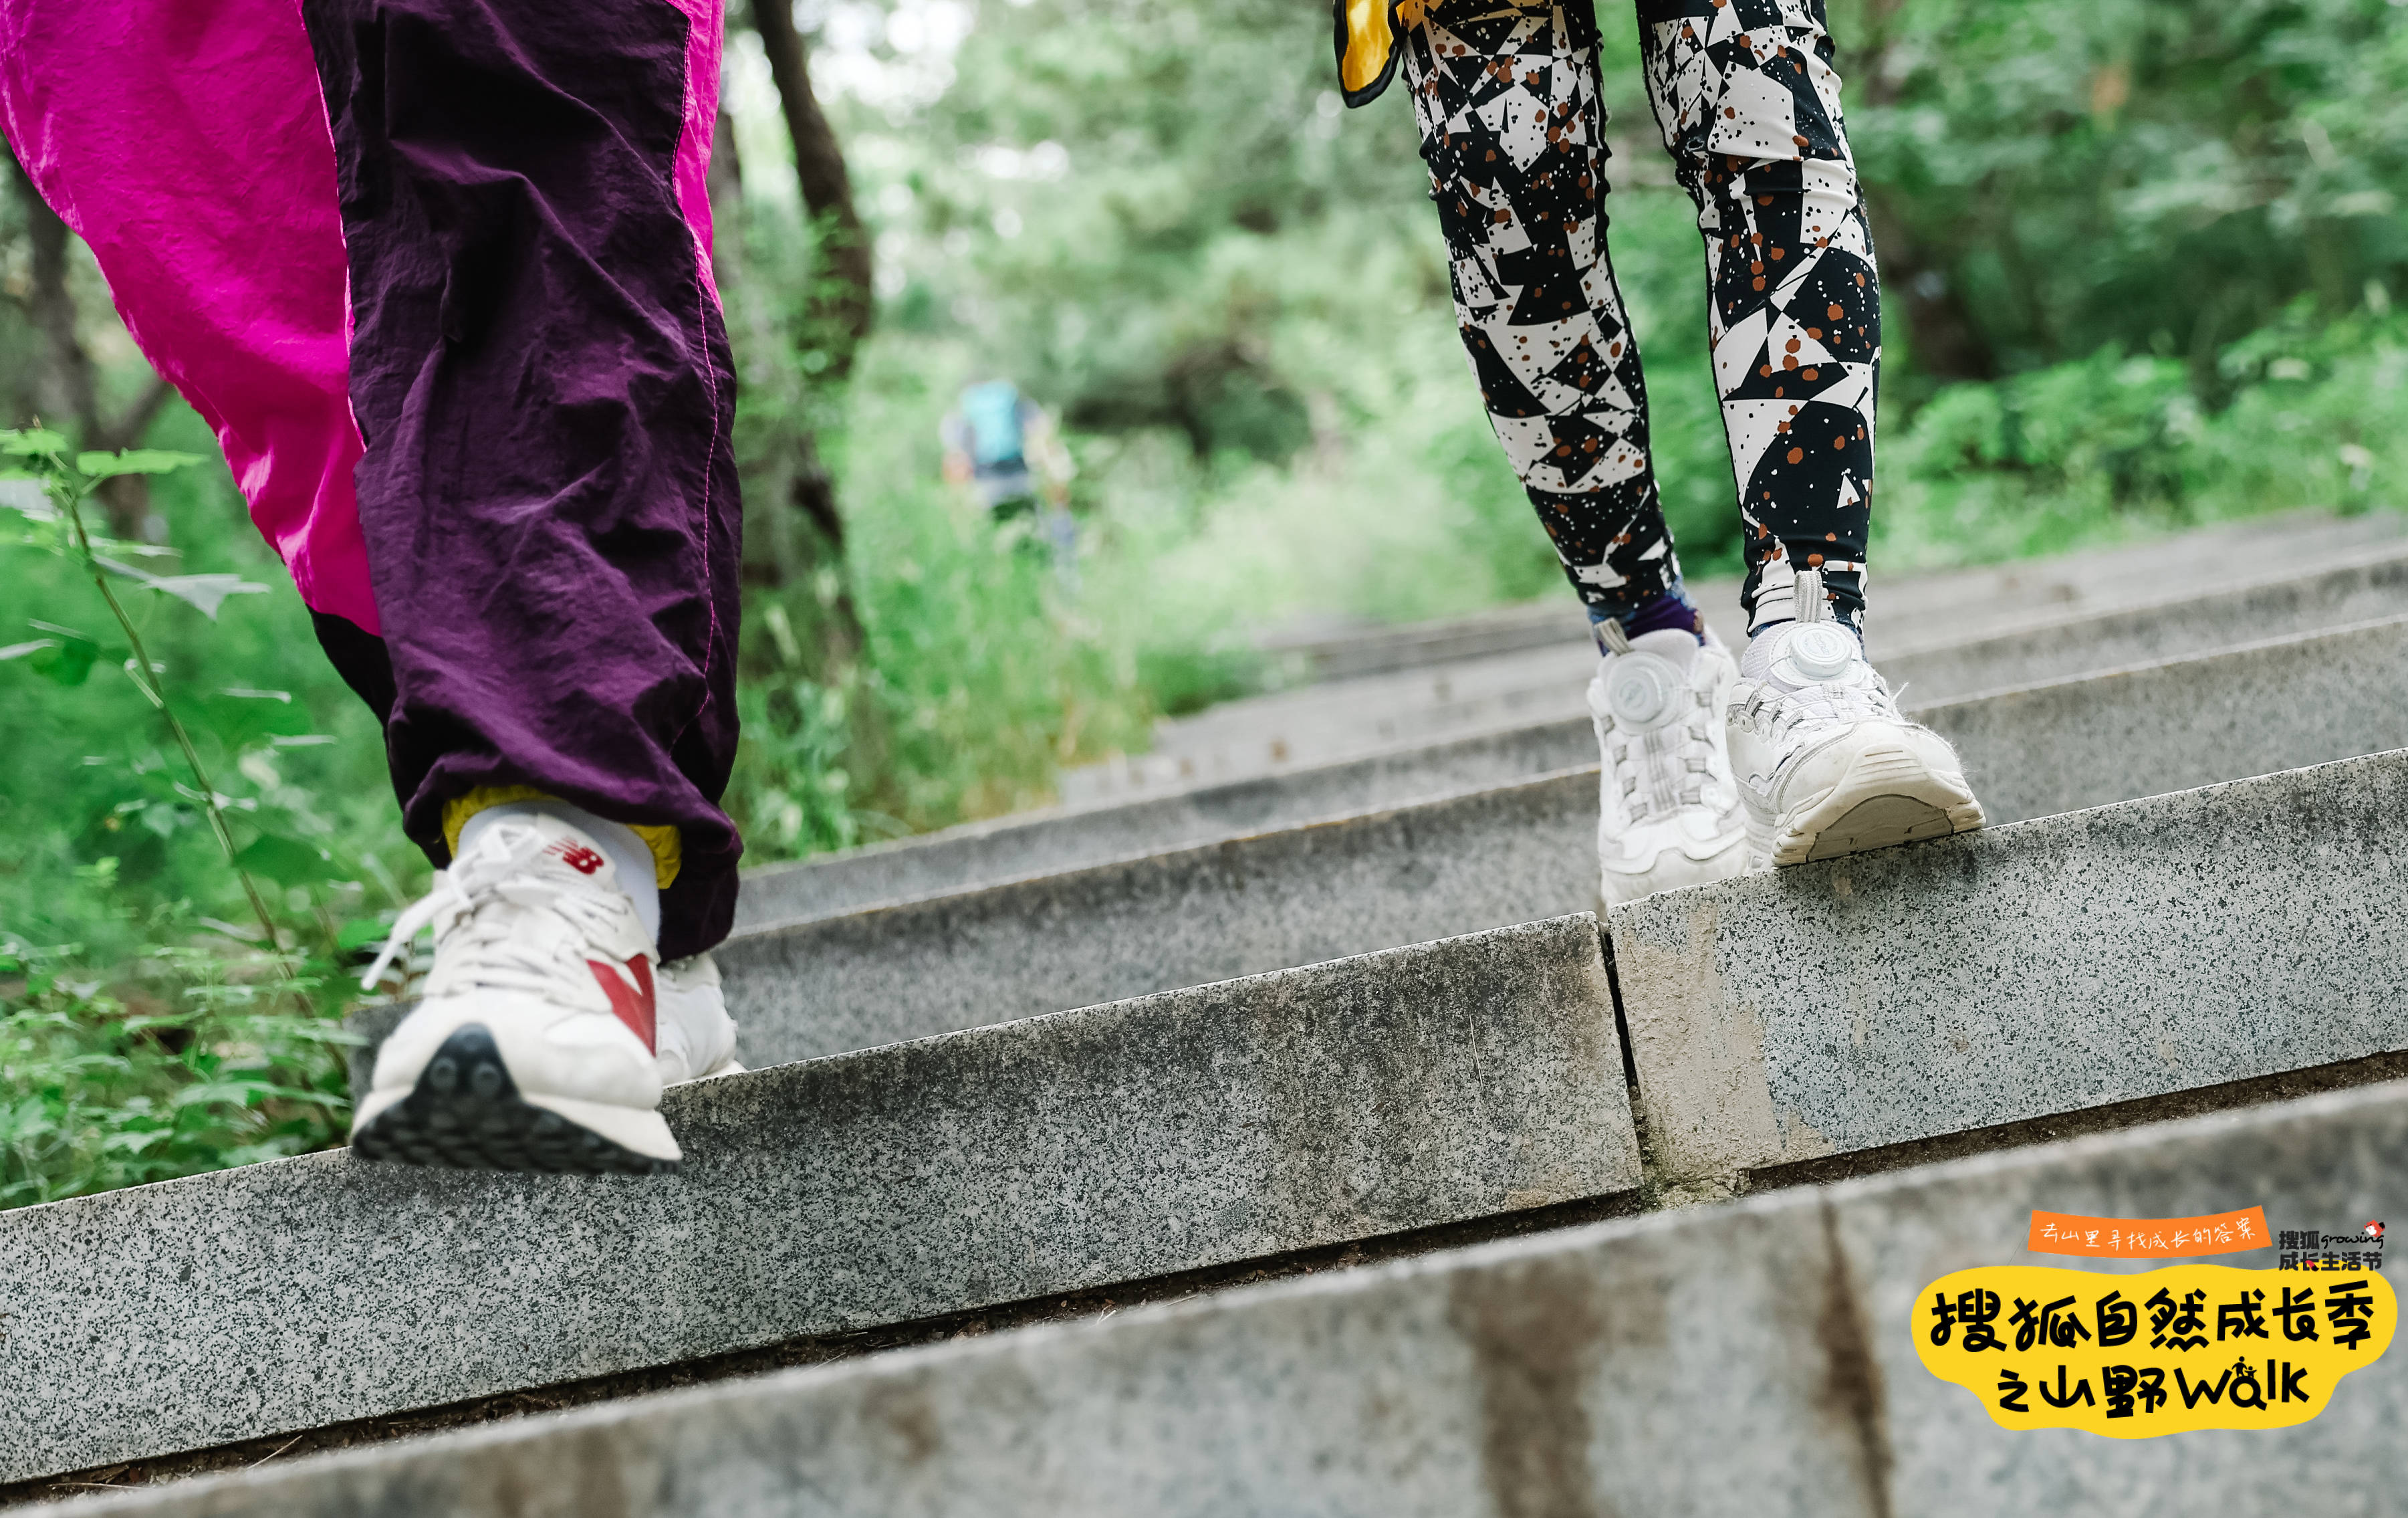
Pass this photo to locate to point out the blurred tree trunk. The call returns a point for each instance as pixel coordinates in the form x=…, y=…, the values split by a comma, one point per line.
x=1945, y=341
x=797, y=546
x=843, y=304
x=68, y=385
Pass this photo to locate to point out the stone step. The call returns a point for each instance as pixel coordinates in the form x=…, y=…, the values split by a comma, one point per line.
x=1915, y=613
x=1229, y=1123
x=2097, y=957
x=2279, y=703
x=1512, y=853
x=1988, y=596
x=1984, y=649
x=2185, y=621
x=2145, y=950
x=1342, y=719
x=1243, y=907
x=1043, y=842
x=1749, y=1357
x=1943, y=658
x=1308, y=653
x=2273, y=704
x=1983, y=598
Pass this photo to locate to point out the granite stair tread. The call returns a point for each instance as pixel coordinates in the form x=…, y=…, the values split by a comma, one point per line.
x=1745, y=1358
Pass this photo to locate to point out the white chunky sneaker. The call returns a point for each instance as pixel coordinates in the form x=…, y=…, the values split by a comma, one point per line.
x=546, y=1030
x=697, y=1037
x=1826, y=763
x=1667, y=812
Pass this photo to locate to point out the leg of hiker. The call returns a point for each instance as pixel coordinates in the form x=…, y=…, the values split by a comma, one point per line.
x=1749, y=108
x=1513, y=134
x=534, y=581
x=1512, y=130
x=1748, y=104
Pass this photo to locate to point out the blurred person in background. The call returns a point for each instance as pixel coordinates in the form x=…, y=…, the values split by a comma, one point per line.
x=1003, y=449
x=437, y=273
x=1711, y=765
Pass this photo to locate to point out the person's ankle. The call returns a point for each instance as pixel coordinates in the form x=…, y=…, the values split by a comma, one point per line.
x=1668, y=610
x=1787, y=593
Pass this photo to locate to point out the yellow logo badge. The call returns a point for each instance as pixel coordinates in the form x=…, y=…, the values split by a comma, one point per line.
x=2192, y=1346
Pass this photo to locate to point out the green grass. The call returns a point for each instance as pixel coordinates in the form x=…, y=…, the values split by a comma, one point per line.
x=2113, y=448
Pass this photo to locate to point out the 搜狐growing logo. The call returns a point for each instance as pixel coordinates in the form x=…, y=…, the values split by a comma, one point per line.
x=2311, y=1249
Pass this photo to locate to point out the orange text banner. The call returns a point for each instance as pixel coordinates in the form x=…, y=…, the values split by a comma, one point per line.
x=2219, y=1233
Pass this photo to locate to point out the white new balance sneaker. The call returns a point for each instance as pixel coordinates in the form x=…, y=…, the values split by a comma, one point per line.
x=1826, y=763
x=1667, y=812
x=545, y=1031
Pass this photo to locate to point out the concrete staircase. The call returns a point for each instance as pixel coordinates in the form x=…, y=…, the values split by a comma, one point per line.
x=1945, y=634
x=1362, y=1007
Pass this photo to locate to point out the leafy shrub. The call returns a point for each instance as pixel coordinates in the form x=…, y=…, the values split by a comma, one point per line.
x=184, y=1059
x=2111, y=446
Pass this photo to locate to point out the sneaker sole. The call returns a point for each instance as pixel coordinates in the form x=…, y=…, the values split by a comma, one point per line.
x=1888, y=797
x=465, y=1113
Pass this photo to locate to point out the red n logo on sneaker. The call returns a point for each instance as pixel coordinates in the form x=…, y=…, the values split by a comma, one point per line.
x=577, y=857
x=634, y=1003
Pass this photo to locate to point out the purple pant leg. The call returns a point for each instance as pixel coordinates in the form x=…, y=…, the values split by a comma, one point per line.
x=543, y=385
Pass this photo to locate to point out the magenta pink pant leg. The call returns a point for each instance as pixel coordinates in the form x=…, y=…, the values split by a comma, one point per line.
x=186, y=141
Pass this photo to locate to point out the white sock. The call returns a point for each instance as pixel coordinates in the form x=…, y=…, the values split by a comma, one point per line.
x=631, y=858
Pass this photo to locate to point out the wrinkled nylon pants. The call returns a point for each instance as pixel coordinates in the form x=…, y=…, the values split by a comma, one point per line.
x=437, y=273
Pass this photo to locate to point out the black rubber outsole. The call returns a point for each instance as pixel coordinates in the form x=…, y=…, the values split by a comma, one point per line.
x=466, y=1114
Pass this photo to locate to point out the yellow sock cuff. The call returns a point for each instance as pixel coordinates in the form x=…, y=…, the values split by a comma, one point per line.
x=667, y=851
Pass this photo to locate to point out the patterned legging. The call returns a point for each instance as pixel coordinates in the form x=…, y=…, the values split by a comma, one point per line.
x=1506, y=94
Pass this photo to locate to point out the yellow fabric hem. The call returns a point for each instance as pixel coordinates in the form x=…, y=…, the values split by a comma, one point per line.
x=668, y=851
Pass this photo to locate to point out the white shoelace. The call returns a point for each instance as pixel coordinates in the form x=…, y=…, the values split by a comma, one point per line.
x=1862, y=697
x=1644, y=762
x=498, y=926
x=1662, y=769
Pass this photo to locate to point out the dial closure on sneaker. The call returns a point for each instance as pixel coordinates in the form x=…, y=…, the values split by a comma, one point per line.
x=1642, y=691
x=1820, y=651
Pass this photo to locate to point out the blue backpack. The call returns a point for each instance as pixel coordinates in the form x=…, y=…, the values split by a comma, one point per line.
x=992, y=411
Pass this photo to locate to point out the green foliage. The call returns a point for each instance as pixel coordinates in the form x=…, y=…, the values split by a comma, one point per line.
x=92, y=777
x=1170, y=227
x=982, y=672
x=791, y=787
x=2114, y=446
x=57, y=525
x=142, y=1034
x=184, y=1059
x=2156, y=174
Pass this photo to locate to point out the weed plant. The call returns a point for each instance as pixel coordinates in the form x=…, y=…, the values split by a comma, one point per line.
x=147, y=1029
x=187, y=1059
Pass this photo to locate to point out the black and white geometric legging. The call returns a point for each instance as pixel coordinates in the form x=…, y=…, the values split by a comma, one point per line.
x=1749, y=107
